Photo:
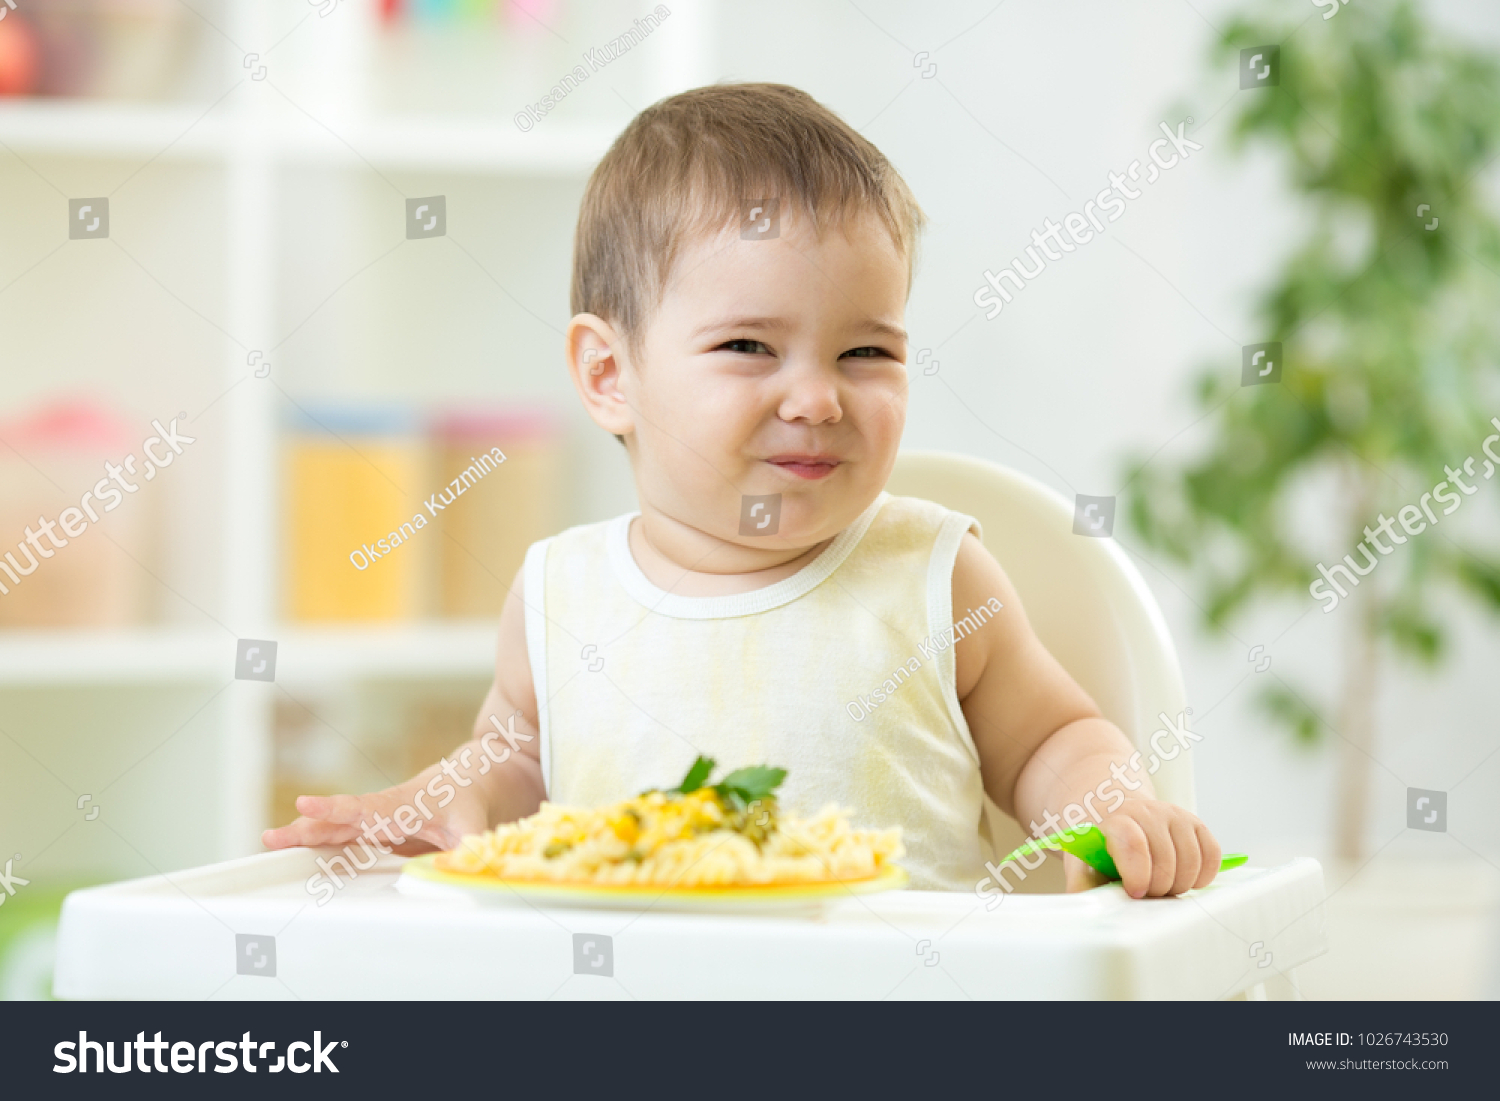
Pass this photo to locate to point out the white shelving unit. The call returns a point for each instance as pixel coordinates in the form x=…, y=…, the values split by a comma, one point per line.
x=252, y=137
x=305, y=655
x=175, y=133
x=83, y=128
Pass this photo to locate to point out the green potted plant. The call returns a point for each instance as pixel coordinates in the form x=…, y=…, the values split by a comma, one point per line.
x=1388, y=316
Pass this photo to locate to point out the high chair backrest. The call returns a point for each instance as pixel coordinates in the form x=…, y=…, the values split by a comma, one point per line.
x=1084, y=597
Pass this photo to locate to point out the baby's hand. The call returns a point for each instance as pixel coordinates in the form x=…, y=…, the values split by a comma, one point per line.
x=393, y=818
x=1159, y=848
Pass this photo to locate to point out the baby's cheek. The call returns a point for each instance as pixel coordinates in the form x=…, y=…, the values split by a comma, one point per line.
x=880, y=425
x=882, y=409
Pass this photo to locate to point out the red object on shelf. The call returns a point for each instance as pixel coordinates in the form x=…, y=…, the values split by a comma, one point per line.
x=20, y=55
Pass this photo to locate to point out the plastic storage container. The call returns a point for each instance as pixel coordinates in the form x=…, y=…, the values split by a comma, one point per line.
x=354, y=521
x=99, y=578
x=483, y=535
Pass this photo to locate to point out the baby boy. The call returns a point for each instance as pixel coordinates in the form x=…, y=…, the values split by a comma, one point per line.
x=740, y=277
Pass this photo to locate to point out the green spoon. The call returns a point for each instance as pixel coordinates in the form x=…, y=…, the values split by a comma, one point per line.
x=1086, y=842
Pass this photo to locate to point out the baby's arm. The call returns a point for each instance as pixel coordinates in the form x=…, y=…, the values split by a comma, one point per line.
x=495, y=777
x=1043, y=746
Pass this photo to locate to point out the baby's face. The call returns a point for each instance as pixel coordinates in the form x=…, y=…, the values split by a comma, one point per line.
x=773, y=367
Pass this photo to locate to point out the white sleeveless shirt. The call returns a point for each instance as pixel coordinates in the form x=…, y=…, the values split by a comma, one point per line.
x=843, y=674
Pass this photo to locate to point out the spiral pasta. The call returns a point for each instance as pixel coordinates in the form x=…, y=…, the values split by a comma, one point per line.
x=672, y=840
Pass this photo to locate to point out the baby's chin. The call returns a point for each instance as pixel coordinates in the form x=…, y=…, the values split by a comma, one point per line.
x=803, y=517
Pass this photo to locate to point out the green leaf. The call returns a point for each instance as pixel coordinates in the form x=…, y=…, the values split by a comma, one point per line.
x=696, y=775
x=1413, y=629
x=751, y=784
x=1294, y=712
x=1482, y=577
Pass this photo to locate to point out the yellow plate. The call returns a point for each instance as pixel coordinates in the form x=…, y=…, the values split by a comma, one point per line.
x=419, y=872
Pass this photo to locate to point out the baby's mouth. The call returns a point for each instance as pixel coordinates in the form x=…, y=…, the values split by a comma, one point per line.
x=810, y=467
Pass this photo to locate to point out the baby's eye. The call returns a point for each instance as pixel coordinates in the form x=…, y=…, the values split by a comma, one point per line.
x=868, y=353
x=744, y=347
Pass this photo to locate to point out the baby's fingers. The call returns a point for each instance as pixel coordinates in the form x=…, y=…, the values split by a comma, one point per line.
x=1131, y=851
x=308, y=831
x=1189, y=855
x=326, y=820
x=1208, y=845
x=345, y=809
x=376, y=812
x=398, y=818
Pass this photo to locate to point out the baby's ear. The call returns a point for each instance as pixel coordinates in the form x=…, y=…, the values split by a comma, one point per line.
x=595, y=361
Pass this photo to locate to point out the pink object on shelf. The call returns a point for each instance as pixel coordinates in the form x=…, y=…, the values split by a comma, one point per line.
x=52, y=461
x=508, y=425
x=74, y=424
x=531, y=13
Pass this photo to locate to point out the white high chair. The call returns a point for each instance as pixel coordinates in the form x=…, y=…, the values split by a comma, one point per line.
x=385, y=937
x=1086, y=601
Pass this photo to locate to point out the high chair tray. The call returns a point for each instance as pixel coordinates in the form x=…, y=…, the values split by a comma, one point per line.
x=250, y=929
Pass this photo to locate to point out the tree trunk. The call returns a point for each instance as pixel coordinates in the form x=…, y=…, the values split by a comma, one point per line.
x=1355, y=727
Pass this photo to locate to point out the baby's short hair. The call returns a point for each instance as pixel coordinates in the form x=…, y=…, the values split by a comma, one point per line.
x=695, y=162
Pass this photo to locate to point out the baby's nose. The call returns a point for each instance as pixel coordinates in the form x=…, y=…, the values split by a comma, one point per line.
x=811, y=397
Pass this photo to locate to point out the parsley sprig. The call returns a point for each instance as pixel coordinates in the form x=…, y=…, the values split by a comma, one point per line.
x=740, y=788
